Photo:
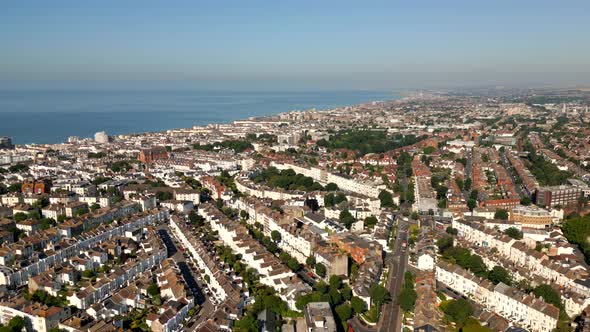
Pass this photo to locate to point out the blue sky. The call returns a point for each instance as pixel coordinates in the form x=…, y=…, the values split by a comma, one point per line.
x=294, y=44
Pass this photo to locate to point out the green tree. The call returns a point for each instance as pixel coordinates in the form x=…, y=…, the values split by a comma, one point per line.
x=514, y=233
x=370, y=221
x=335, y=297
x=46, y=223
x=499, y=274
x=320, y=270
x=501, y=214
x=19, y=216
x=335, y=282
x=310, y=261
x=244, y=215
x=444, y=243
x=331, y=187
x=16, y=324
x=407, y=299
x=153, y=289
x=452, y=231
x=476, y=265
x=549, y=294
x=275, y=236
x=347, y=219
x=471, y=204
x=458, y=311
x=358, y=305
x=247, y=323
x=15, y=187
x=379, y=295
x=467, y=184
x=386, y=199
x=346, y=292
x=329, y=200
x=344, y=312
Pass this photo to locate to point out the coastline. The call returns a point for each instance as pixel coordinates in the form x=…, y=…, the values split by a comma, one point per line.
x=39, y=121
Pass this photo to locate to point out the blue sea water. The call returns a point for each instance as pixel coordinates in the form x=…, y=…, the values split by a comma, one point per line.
x=52, y=116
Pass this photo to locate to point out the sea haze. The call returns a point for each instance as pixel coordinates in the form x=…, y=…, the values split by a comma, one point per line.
x=52, y=116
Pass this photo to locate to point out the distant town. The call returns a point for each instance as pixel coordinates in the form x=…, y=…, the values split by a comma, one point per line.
x=440, y=211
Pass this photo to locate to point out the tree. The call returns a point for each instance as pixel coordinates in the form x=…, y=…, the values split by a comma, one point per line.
x=514, y=233
x=320, y=270
x=310, y=261
x=335, y=297
x=386, y=199
x=244, y=215
x=358, y=305
x=14, y=188
x=153, y=289
x=88, y=274
x=460, y=183
x=499, y=275
x=347, y=219
x=549, y=294
x=467, y=184
x=444, y=243
x=346, y=292
x=247, y=323
x=476, y=265
x=321, y=287
x=94, y=207
x=275, y=236
x=46, y=223
x=18, y=168
x=16, y=324
x=370, y=221
x=407, y=299
x=344, y=312
x=339, y=198
x=458, y=311
x=429, y=149
x=19, y=216
x=335, y=282
x=471, y=204
x=331, y=187
x=501, y=214
x=525, y=200
x=195, y=219
x=452, y=231
x=329, y=200
x=379, y=295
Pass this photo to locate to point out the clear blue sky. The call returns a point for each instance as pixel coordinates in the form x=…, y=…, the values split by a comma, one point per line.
x=294, y=44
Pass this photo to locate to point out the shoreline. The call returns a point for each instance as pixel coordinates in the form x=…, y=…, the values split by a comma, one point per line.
x=49, y=127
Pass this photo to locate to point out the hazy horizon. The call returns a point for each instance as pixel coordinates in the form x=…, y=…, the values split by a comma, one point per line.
x=303, y=46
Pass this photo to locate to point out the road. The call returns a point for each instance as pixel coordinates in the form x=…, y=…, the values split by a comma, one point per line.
x=192, y=279
x=391, y=315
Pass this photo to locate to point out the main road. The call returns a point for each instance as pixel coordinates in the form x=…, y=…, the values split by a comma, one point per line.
x=397, y=261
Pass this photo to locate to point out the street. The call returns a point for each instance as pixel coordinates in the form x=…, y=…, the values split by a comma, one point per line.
x=193, y=281
x=391, y=315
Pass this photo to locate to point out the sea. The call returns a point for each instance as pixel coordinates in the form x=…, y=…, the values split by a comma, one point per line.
x=46, y=117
